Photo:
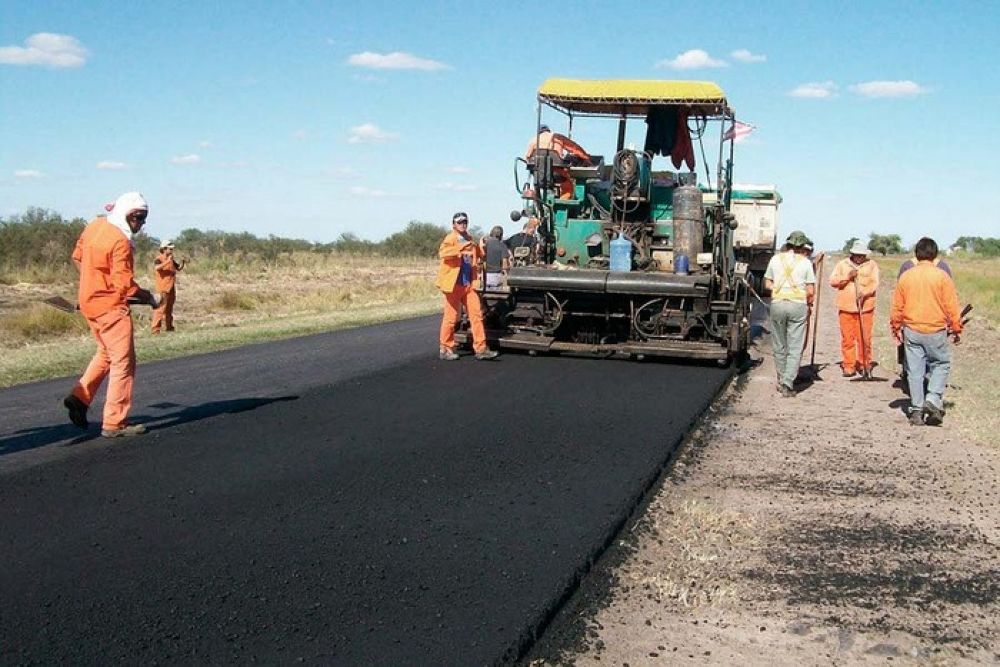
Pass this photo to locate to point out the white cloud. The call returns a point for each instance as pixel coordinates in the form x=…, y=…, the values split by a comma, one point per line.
x=815, y=90
x=111, y=165
x=362, y=191
x=186, y=159
x=346, y=172
x=46, y=49
x=456, y=187
x=745, y=56
x=693, y=59
x=28, y=173
x=394, y=60
x=889, y=89
x=205, y=144
x=369, y=133
x=458, y=170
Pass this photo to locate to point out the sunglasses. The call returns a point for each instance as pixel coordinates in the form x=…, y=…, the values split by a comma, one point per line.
x=460, y=222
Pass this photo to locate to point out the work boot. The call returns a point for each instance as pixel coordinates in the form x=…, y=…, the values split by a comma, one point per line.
x=916, y=418
x=486, y=355
x=124, y=431
x=786, y=391
x=77, y=411
x=932, y=414
x=447, y=355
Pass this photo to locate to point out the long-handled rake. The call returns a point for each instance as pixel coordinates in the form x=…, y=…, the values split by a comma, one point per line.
x=866, y=365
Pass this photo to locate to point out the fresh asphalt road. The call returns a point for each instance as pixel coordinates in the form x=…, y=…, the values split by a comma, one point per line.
x=344, y=498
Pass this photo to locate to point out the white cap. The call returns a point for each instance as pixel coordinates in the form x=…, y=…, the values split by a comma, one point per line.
x=166, y=243
x=860, y=248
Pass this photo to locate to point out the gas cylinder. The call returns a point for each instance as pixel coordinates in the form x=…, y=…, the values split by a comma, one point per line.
x=689, y=222
x=621, y=254
x=682, y=265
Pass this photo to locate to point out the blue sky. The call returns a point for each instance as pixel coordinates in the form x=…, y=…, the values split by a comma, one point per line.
x=310, y=119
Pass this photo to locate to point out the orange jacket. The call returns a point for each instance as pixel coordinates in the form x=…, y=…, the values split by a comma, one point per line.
x=450, y=251
x=107, y=277
x=868, y=278
x=166, y=269
x=925, y=300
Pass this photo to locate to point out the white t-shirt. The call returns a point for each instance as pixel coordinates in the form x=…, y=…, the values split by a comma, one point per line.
x=790, y=274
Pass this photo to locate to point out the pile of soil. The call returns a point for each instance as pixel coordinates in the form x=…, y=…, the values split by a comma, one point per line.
x=819, y=529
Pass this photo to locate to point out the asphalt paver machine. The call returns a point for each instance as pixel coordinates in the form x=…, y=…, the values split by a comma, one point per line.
x=630, y=260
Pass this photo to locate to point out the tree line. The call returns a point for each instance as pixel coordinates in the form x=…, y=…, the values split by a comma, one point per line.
x=892, y=244
x=40, y=241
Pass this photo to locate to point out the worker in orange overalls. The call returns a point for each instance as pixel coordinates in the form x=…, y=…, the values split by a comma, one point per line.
x=567, y=149
x=166, y=268
x=856, y=280
x=104, y=257
x=460, y=258
x=925, y=315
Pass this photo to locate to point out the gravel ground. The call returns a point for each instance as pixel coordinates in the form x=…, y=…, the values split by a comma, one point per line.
x=816, y=530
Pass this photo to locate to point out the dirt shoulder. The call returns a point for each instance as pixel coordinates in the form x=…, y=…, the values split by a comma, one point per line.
x=814, y=530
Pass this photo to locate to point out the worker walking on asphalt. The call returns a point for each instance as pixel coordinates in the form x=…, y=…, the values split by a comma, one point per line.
x=856, y=280
x=104, y=257
x=925, y=314
x=460, y=258
x=166, y=269
x=792, y=282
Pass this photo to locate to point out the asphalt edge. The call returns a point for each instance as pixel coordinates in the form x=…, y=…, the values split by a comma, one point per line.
x=634, y=512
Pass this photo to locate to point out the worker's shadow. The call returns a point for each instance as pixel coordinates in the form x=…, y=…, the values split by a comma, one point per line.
x=192, y=413
x=67, y=435
x=39, y=436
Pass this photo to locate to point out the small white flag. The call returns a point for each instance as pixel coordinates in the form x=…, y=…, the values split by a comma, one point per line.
x=739, y=131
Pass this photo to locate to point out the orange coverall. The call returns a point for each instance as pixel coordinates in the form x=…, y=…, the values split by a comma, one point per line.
x=166, y=269
x=451, y=250
x=851, y=320
x=107, y=279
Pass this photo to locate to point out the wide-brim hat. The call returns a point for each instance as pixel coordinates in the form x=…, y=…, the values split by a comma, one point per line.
x=860, y=248
x=797, y=239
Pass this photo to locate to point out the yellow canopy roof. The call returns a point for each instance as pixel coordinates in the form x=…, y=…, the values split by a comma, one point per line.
x=632, y=96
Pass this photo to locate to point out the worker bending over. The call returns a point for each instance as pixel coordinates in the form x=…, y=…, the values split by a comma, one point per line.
x=104, y=257
x=856, y=280
x=792, y=282
x=166, y=269
x=925, y=313
x=568, y=150
x=460, y=258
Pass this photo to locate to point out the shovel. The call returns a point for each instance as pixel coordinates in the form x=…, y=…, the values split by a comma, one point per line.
x=66, y=306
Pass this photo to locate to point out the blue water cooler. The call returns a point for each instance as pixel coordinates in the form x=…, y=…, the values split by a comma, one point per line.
x=621, y=254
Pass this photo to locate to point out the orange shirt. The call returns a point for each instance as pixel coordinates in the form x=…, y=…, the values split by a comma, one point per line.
x=450, y=251
x=166, y=272
x=868, y=278
x=107, y=278
x=925, y=301
x=557, y=142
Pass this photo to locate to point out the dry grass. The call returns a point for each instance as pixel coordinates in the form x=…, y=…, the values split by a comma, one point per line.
x=220, y=307
x=971, y=397
x=39, y=322
x=695, y=543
